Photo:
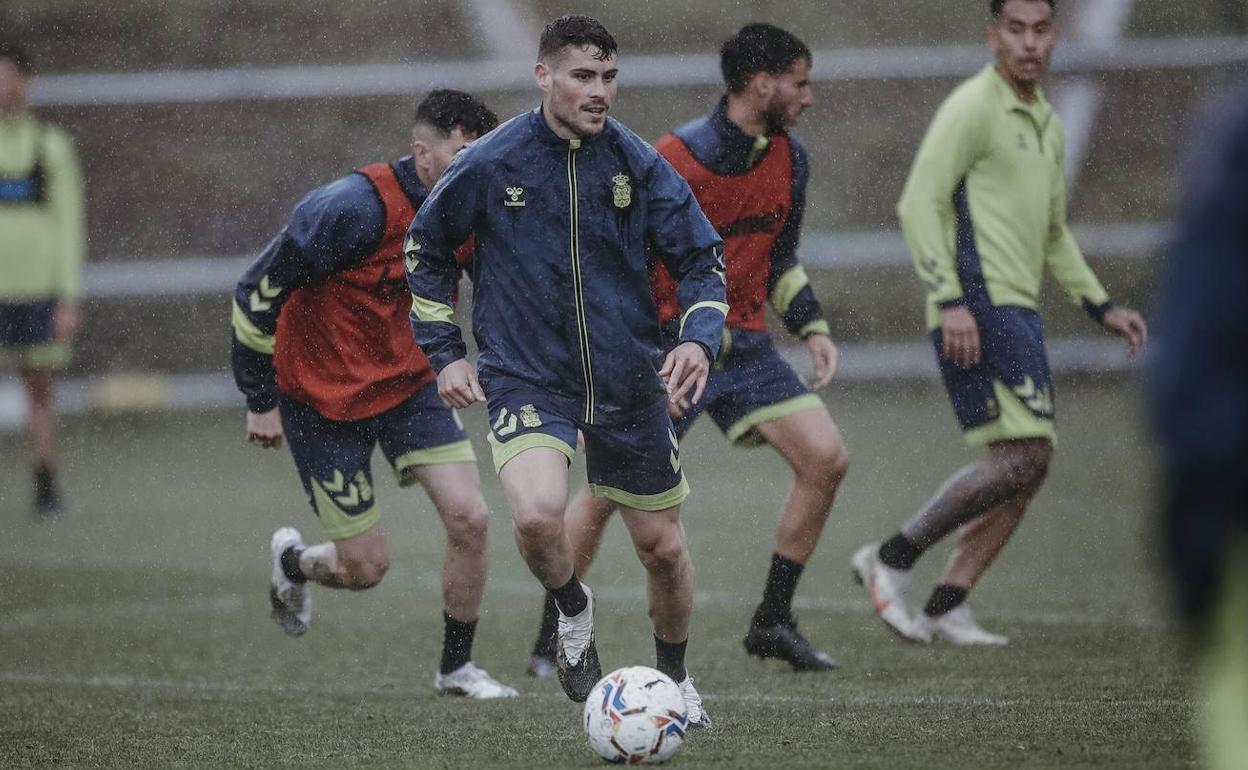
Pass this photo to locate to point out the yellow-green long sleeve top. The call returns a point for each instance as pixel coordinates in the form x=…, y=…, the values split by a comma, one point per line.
x=984, y=208
x=42, y=219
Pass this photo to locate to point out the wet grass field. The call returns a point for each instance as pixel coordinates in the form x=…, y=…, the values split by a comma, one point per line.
x=135, y=630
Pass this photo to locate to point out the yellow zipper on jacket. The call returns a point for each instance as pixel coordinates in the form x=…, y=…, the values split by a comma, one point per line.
x=574, y=244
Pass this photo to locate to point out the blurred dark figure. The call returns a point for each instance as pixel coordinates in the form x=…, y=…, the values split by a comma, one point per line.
x=1199, y=391
x=42, y=243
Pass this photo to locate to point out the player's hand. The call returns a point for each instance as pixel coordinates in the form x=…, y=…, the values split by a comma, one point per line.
x=458, y=386
x=685, y=369
x=265, y=429
x=1128, y=324
x=676, y=410
x=66, y=320
x=961, y=336
x=825, y=357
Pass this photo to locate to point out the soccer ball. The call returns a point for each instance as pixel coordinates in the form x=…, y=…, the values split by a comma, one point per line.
x=635, y=715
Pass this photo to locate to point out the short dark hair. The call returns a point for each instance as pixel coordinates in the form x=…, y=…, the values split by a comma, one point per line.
x=759, y=48
x=579, y=31
x=445, y=108
x=995, y=6
x=16, y=54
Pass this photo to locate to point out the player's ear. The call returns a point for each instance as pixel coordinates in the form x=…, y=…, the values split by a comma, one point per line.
x=763, y=85
x=542, y=74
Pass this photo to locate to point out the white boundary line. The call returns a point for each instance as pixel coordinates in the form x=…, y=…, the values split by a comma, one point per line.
x=656, y=70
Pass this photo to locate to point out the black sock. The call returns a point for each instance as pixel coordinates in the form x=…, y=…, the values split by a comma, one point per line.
x=290, y=565
x=777, y=603
x=944, y=598
x=570, y=597
x=544, y=647
x=899, y=553
x=456, y=643
x=670, y=658
x=45, y=481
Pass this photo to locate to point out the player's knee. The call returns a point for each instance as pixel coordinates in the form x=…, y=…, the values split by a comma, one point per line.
x=363, y=573
x=467, y=523
x=664, y=553
x=536, y=524
x=824, y=465
x=1028, y=464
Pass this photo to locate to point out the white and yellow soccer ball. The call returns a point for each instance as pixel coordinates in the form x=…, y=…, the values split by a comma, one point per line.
x=636, y=715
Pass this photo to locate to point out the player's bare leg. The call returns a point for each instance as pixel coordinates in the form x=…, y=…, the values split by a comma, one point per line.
x=455, y=490
x=536, y=484
x=354, y=563
x=659, y=539
x=812, y=446
x=980, y=540
x=41, y=400
x=585, y=520
x=1014, y=468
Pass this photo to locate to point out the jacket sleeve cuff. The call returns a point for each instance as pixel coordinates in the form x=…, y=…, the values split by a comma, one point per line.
x=1097, y=312
x=259, y=403
x=948, y=303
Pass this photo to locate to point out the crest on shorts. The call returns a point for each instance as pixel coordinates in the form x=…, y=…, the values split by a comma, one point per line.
x=515, y=197
x=529, y=417
x=621, y=191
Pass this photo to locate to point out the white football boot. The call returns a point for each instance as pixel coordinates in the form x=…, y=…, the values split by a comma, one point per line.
x=698, y=718
x=886, y=588
x=292, y=602
x=576, y=655
x=471, y=682
x=958, y=627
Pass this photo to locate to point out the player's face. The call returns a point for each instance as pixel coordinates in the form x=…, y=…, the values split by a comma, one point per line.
x=792, y=95
x=1023, y=38
x=433, y=152
x=577, y=90
x=13, y=86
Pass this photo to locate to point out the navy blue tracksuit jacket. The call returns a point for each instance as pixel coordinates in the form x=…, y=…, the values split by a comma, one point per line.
x=564, y=234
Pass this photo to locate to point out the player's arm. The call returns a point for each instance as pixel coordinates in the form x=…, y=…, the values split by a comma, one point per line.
x=65, y=197
x=788, y=287
x=1067, y=264
x=954, y=141
x=333, y=228
x=444, y=221
x=693, y=252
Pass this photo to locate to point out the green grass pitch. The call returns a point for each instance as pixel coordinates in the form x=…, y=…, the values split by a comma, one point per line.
x=135, y=632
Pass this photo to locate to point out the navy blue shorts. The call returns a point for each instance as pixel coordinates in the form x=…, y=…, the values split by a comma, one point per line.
x=633, y=459
x=26, y=331
x=750, y=384
x=1009, y=393
x=334, y=457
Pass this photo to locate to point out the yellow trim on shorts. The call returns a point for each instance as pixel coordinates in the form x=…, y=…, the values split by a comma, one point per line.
x=742, y=433
x=335, y=522
x=455, y=452
x=1016, y=422
x=504, y=452
x=659, y=502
